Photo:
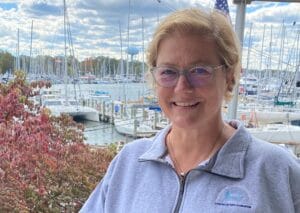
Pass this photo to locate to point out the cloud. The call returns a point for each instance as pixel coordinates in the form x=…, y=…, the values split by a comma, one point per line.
x=95, y=24
x=275, y=13
x=41, y=8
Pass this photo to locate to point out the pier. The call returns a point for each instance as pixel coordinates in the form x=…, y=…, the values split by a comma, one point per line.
x=137, y=119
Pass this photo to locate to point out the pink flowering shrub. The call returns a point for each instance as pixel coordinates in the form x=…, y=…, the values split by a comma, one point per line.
x=44, y=164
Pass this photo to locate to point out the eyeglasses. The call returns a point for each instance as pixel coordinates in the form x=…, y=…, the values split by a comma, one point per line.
x=197, y=76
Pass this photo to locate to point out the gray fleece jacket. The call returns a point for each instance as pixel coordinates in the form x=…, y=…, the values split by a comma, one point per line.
x=245, y=175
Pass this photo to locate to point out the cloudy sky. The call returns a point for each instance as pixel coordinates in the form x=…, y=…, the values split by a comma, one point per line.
x=96, y=25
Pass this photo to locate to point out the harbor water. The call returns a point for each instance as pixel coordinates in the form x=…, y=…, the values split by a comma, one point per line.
x=100, y=133
x=121, y=91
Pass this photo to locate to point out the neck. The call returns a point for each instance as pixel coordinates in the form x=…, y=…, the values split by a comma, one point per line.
x=199, y=138
x=189, y=148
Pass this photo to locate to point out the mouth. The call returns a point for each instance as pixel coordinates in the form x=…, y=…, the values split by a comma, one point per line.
x=186, y=104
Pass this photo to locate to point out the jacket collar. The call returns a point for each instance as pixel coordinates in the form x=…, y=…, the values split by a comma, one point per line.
x=228, y=161
x=158, y=148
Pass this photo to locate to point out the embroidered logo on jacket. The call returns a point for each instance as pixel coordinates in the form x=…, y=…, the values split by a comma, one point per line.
x=234, y=196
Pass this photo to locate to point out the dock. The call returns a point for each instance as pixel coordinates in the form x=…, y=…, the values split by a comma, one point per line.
x=140, y=115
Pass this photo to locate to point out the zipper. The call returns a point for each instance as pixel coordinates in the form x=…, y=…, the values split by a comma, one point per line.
x=181, y=191
x=182, y=179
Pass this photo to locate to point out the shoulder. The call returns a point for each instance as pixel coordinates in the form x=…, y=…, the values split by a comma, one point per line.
x=146, y=147
x=259, y=152
x=260, y=149
x=128, y=162
x=274, y=162
x=136, y=147
x=271, y=152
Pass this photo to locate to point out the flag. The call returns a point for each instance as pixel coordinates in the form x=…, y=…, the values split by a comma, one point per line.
x=222, y=5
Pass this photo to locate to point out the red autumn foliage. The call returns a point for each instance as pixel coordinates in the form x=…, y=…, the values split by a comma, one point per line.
x=44, y=164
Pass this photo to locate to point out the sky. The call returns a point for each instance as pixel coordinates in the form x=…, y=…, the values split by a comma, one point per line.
x=98, y=27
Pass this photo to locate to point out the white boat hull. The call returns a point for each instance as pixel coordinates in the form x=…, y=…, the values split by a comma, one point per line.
x=278, y=133
x=86, y=113
x=126, y=127
x=264, y=117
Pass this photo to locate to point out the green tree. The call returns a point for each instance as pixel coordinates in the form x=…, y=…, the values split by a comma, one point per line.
x=6, y=62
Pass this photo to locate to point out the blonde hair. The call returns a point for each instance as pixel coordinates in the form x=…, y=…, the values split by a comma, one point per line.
x=213, y=24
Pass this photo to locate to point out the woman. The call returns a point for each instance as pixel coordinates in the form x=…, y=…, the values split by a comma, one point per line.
x=199, y=163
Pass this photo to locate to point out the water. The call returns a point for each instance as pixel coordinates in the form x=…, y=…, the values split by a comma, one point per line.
x=130, y=91
x=104, y=133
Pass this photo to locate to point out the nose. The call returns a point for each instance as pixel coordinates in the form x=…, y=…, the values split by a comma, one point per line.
x=183, y=84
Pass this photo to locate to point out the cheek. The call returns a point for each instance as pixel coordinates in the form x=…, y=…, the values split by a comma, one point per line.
x=221, y=93
x=222, y=84
x=163, y=95
x=215, y=95
x=160, y=91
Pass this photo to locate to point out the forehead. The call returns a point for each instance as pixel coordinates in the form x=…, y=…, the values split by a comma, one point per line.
x=183, y=50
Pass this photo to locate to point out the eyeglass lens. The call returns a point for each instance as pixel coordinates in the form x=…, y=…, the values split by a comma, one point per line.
x=168, y=77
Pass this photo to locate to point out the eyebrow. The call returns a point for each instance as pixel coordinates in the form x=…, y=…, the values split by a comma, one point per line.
x=198, y=63
x=193, y=63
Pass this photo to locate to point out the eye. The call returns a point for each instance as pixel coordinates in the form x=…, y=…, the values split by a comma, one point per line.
x=200, y=71
x=166, y=71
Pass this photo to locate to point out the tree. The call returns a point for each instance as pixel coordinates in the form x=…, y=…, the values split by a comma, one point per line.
x=6, y=62
x=45, y=166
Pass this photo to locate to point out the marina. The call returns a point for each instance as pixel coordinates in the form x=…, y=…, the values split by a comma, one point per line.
x=80, y=79
x=100, y=133
x=115, y=114
x=124, y=118
x=112, y=99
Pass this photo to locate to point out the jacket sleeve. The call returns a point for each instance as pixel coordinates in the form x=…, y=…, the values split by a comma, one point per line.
x=96, y=201
x=295, y=184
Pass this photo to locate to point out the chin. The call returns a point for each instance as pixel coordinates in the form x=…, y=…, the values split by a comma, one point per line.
x=185, y=123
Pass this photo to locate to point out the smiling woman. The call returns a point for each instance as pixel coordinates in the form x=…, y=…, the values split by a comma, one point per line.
x=200, y=162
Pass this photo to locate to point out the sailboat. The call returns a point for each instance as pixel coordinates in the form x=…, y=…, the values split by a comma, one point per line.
x=133, y=127
x=268, y=115
x=278, y=133
x=59, y=104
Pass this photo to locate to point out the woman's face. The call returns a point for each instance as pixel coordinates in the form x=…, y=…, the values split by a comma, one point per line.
x=185, y=105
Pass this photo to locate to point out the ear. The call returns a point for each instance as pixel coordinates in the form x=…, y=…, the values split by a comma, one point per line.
x=230, y=80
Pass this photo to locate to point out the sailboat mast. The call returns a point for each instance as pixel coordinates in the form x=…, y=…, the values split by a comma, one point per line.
x=262, y=51
x=260, y=73
x=270, y=54
x=18, y=51
x=30, y=55
x=121, y=43
x=281, y=50
x=249, y=50
x=128, y=28
x=65, y=54
x=122, y=74
x=143, y=53
x=280, y=60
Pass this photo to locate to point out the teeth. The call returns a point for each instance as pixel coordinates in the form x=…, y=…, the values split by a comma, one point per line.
x=183, y=104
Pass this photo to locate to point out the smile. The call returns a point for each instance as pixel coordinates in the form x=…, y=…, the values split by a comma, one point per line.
x=186, y=104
